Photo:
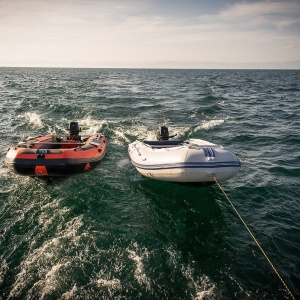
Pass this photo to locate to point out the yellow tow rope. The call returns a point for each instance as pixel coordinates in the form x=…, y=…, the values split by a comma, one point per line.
x=261, y=249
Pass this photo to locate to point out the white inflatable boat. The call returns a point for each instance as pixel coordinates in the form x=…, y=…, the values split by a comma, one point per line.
x=192, y=162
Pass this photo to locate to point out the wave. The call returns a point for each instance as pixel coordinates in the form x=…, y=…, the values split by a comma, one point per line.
x=206, y=125
x=92, y=126
x=44, y=264
x=109, y=233
x=286, y=171
x=139, y=272
x=202, y=286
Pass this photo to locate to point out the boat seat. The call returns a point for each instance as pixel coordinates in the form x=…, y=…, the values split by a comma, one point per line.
x=50, y=145
x=41, y=151
x=28, y=151
x=54, y=151
x=163, y=143
x=87, y=147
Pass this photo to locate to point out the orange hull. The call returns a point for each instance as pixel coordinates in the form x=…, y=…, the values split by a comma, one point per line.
x=50, y=156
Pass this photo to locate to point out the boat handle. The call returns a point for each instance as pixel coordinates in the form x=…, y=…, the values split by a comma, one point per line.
x=137, y=150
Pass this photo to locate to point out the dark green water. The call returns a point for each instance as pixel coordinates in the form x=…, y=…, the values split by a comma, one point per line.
x=112, y=234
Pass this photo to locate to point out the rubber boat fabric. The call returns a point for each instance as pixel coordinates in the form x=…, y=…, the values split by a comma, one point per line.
x=191, y=162
x=51, y=156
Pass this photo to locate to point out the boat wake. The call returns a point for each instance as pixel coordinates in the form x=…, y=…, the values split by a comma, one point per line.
x=34, y=119
x=206, y=125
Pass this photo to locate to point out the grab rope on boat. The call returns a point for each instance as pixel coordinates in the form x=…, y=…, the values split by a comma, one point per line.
x=257, y=243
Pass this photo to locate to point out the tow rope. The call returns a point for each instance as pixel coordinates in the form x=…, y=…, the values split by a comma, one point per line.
x=257, y=243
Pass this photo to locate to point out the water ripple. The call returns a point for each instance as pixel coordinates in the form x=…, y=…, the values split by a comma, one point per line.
x=111, y=233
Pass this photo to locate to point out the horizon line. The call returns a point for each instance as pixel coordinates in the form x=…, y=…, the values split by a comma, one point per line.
x=151, y=68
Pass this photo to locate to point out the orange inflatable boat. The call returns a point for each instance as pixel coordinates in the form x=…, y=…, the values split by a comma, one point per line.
x=49, y=156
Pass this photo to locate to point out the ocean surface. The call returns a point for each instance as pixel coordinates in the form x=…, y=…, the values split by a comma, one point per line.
x=113, y=234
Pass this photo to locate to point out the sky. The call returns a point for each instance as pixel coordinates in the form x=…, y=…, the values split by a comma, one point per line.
x=150, y=33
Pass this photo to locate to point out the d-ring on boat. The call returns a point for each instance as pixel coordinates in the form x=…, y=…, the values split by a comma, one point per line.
x=49, y=156
x=191, y=162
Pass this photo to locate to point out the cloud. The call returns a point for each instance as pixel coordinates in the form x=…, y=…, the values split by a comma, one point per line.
x=253, y=9
x=134, y=32
x=256, y=14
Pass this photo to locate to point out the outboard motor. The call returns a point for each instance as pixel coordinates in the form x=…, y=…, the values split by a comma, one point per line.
x=74, y=131
x=163, y=134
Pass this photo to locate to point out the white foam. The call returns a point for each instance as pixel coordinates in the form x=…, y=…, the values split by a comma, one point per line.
x=88, y=125
x=70, y=294
x=209, y=124
x=151, y=136
x=113, y=283
x=139, y=131
x=193, y=115
x=50, y=276
x=173, y=256
x=49, y=213
x=46, y=285
x=4, y=172
x=3, y=269
x=179, y=131
x=121, y=135
x=47, y=261
x=203, y=285
x=93, y=126
x=123, y=163
x=204, y=288
x=34, y=119
x=139, y=273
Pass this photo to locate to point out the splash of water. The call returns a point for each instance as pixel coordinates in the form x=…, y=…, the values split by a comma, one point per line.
x=34, y=119
x=206, y=125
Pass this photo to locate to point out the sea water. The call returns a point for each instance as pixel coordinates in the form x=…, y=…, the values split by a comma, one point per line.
x=113, y=234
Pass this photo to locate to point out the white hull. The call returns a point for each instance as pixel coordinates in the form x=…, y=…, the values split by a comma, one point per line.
x=192, y=161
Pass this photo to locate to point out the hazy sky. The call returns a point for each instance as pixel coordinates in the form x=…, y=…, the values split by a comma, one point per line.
x=148, y=33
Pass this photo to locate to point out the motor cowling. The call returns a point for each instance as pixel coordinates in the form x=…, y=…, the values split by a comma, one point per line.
x=163, y=133
x=74, y=131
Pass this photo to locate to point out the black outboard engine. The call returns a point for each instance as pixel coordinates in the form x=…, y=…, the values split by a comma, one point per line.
x=163, y=133
x=74, y=131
